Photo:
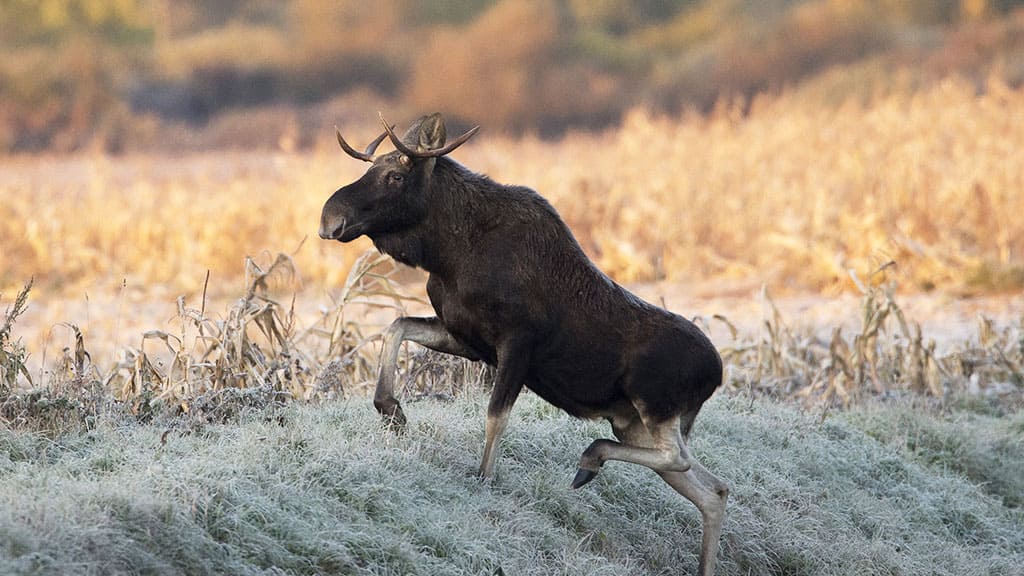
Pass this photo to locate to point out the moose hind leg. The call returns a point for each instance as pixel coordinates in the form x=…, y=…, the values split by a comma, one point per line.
x=651, y=446
x=661, y=449
x=709, y=494
x=427, y=332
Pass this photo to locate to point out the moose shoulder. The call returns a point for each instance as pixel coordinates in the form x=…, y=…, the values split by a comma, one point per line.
x=511, y=286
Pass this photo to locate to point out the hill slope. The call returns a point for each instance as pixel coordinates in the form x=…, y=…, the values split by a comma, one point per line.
x=322, y=489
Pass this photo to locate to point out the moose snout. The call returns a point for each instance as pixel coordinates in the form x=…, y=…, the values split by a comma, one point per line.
x=331, y=226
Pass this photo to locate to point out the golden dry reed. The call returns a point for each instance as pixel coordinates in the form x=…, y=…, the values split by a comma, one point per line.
x=778, y=190
x=798, y=195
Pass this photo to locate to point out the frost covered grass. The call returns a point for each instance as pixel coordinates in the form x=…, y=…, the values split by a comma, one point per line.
x=323, y=489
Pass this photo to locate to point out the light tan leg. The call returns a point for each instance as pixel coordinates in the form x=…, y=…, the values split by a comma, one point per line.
x=682, y=472
x=666, y=453
x=513, y=360
x=709, y=495
x=658, y=447
x=493, y=432
x=427, y=332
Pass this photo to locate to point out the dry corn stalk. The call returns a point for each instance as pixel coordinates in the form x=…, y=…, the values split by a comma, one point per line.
x=12, y=354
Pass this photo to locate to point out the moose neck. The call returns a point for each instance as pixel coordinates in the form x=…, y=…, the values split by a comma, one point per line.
x=452, y=221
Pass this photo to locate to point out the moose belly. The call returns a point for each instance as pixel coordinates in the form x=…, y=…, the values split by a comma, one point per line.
x=579, y=374
x=585, y=386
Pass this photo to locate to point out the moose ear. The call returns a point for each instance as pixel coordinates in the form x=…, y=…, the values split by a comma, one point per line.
x=432, y=134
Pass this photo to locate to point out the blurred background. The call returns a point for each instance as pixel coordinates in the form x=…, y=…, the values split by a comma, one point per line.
x=160, y=158
x=120, y=75
x=807, y=145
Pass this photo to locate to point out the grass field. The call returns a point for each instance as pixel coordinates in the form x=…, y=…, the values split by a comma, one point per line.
x=322, y=489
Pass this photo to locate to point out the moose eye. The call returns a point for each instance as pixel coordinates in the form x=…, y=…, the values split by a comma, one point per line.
x=395, y=177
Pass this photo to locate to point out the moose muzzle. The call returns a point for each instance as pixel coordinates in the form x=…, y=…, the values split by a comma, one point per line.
x=332, y=226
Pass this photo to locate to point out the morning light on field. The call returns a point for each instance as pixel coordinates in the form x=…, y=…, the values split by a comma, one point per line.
x=831, y=190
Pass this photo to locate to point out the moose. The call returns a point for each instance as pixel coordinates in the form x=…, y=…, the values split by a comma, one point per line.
x=511, y=286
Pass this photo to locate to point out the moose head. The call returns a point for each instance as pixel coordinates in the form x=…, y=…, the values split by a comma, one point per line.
x=389, y=197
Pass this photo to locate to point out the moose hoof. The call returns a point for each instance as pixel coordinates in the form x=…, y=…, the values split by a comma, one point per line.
x=582, y=477
x=391, y=415
x=394, y=422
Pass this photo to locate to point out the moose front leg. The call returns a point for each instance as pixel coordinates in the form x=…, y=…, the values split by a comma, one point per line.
x=427, y=332
x=513, y=361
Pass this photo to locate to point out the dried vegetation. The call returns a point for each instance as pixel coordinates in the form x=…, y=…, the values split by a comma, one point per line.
x=887, y=356
x=257, y=355
x=782, y=190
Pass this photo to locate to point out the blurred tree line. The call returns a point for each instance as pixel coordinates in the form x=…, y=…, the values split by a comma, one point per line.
x=114, y=73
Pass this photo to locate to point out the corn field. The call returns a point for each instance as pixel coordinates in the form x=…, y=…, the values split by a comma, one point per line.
x=782, y=189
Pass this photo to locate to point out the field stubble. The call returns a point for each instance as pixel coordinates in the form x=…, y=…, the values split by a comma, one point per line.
x=211, y=361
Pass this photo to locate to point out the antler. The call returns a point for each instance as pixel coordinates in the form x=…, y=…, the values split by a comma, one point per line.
x=401, y=147
x=365, y=156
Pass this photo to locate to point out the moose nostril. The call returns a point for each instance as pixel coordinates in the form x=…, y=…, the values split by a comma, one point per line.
x=332, y=228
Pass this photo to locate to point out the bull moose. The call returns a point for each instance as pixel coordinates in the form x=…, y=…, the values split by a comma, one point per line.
x=511, y=286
